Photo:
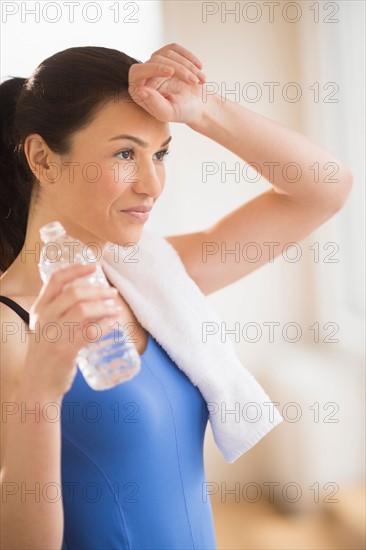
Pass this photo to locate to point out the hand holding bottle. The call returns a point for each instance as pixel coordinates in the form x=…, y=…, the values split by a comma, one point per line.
x=58, y=316
x=108, y=358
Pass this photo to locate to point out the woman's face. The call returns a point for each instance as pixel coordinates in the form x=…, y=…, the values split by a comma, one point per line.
x=106, y=173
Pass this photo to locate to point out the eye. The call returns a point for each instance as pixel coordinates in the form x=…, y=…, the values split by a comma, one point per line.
x=125, y=153
x=162, y=154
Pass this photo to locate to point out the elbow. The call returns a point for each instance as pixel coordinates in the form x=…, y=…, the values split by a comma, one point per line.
x=345, y=187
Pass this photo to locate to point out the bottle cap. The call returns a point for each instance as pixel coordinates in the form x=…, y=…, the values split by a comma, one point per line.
x=51, y=231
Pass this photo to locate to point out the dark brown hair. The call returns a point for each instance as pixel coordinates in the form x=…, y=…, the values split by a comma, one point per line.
x=63, y=95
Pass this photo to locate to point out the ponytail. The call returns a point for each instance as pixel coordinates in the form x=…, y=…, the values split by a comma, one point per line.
x=15, y=179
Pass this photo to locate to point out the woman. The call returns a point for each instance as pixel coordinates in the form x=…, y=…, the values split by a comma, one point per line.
x=124, y=484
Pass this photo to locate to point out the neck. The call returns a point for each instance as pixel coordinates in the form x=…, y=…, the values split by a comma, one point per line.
x=22, y=276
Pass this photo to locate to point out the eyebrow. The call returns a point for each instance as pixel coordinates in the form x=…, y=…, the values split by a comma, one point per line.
x=139, y=141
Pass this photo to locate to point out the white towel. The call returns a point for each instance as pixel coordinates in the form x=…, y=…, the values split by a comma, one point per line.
x=167, y=302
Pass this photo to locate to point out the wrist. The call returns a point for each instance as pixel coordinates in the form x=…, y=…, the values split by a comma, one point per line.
x=29, y=390
x=211, y=107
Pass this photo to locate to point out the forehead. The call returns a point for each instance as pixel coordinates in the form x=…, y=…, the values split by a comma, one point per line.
x=126, y=117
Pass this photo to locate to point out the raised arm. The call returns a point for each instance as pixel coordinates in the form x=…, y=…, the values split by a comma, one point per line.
x=309, y=185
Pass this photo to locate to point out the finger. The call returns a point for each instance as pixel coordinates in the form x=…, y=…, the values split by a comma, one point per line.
x=183, y=67
x=77, y=294
x=62, y=277
x=188, y=64
x=86, y=312
x=86, y=333
x=153, y=102
x=182, y=51
x=140, y=72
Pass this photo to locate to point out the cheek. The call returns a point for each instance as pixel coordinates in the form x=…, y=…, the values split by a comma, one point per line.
x=99, y=184
x=125, y=174
x=161, y=172
x=162, y=177
x=112, y=182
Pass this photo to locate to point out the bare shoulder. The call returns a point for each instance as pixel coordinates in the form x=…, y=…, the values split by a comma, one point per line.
x=13, y=347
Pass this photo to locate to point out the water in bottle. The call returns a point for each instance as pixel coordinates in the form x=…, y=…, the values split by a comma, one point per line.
x=110, y=359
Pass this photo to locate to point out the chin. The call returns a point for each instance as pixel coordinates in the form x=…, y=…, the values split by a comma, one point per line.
x=131, y=235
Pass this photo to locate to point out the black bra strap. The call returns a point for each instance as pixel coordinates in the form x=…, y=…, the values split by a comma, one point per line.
x=16, y=307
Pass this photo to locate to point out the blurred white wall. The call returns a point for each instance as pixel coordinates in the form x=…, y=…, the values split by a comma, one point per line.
x=32, y=31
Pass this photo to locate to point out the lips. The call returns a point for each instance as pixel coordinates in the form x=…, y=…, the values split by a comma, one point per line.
x=140, y=208
x=143, y=216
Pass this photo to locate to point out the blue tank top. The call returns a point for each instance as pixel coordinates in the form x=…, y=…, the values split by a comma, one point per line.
x=132, y=461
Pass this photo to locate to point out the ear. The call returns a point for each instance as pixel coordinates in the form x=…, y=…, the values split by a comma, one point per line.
x=44, y=163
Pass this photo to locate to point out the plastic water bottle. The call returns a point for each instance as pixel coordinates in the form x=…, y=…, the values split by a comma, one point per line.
x=111, y=359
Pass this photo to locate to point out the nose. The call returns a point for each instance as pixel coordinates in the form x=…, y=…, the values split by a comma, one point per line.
x=149, y=179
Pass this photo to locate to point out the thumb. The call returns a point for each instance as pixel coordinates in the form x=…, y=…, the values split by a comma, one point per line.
x=140, y=72
x=154, y=103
